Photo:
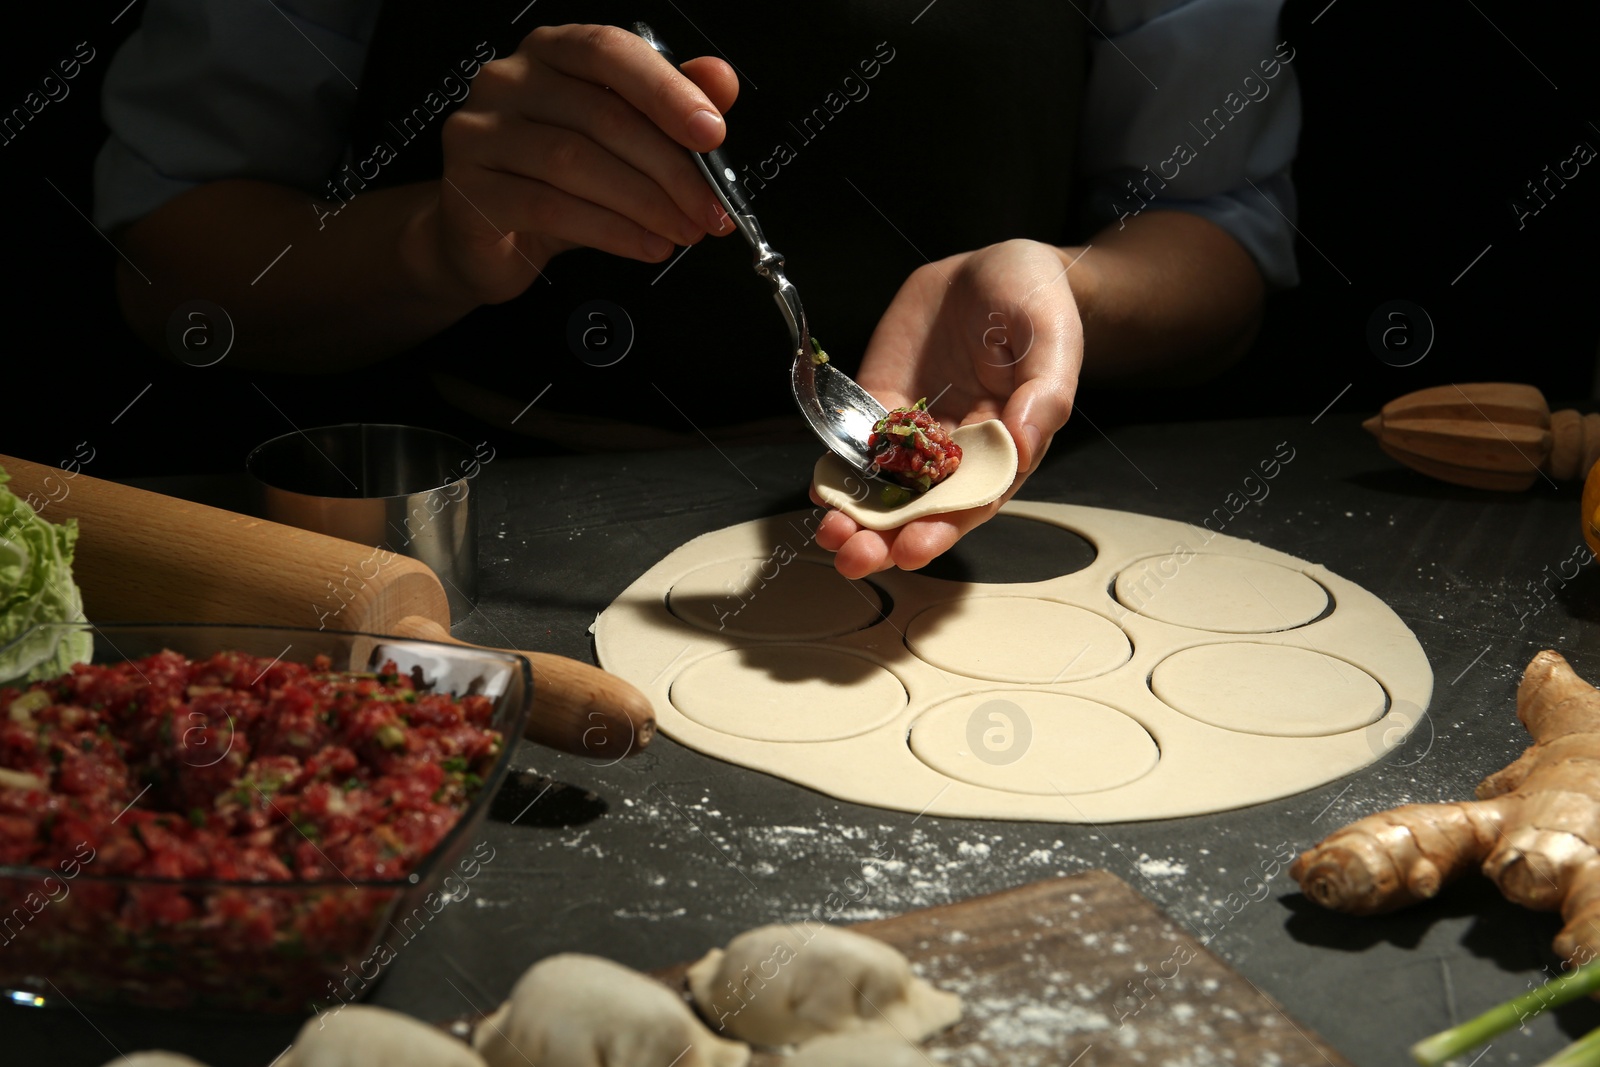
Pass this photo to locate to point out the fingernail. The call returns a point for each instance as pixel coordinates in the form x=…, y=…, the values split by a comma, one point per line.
x=1032, y=435
x=718, y=218
x=705, y=126
x=657, y=247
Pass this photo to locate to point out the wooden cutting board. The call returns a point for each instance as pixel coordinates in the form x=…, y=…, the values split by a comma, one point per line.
x=1084, y=971
x=145, y=557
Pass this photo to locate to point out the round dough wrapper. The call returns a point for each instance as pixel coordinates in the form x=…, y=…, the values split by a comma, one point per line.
x=583, y=1011
x=788, y=693
x=858, y=1050
x=988, y=467
x=800, y=600
x=357, y=1035
x=1045, y=744
x=155, y=1058
x=787, y=983
x=1277, y=690
x=1225, y=594
x=1018, y=639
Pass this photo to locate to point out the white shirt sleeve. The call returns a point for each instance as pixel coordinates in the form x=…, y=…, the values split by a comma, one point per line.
x=1192, y=105
x=207, y=89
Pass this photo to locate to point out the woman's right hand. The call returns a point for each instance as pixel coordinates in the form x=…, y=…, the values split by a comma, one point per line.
x=577, y=139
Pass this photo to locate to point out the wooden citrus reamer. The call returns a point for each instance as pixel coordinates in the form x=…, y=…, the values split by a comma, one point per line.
x=144, y=557
x=1488, y=435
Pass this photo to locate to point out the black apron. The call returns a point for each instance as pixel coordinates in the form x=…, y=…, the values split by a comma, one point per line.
x=874, y=136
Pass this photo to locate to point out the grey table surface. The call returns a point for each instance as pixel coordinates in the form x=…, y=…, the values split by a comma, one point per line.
x=652, y=859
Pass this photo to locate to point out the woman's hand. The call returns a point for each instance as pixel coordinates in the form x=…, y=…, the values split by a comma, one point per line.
x=576, y=139
x=988, y=334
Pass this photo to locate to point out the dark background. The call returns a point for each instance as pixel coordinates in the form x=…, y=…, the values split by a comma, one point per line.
x=1421, y=123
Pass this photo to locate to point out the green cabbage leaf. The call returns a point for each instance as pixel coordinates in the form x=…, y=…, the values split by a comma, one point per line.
x=37, y=590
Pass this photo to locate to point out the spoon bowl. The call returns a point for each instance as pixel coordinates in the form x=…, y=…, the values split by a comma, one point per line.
x=840, y=412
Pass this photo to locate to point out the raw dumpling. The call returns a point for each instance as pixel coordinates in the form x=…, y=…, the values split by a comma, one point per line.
x=858, y=1050
x=988, y=467
x=583, y=1011
x=358, y=1036
x=156, y=1058
x=778, y=985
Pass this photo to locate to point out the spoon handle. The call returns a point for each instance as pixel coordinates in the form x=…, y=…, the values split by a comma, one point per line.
x=838, y=410
x=716, y=165
x=720, y=172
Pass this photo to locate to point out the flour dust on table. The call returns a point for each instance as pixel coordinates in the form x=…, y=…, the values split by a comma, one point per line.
x=1178, y=672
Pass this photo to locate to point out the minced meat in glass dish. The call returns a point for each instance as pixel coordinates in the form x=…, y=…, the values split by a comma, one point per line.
x=234, y=830
x=234, y=767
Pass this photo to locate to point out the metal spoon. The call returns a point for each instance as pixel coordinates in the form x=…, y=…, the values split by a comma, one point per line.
x=840, y=412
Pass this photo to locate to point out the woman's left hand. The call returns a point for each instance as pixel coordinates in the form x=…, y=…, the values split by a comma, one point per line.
x=988, y=334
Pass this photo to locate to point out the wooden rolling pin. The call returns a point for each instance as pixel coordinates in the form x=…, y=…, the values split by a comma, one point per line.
x=144, y=557
x=1488, y=435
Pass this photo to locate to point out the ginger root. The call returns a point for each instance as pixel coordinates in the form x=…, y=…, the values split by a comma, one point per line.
x=1534, y=829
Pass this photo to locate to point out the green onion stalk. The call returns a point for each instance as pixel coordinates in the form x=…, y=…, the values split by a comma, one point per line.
x=1584, y=1052
x=1447, y=1044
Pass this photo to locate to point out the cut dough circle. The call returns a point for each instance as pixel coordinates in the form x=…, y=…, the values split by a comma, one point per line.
x=988, y=467
x=858, y=1050
x=583, y=1011
x=1225, y=594
x=1277, y=690
x=788, y=693
x=357, y=1035
x=797, y=599
x=1025, y=741
x=154, y=1058
x=1018, y=639
x=787, y=983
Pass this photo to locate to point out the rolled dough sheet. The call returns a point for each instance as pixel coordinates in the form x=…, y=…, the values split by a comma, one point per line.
x=1121, y=690
x=988, y=467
